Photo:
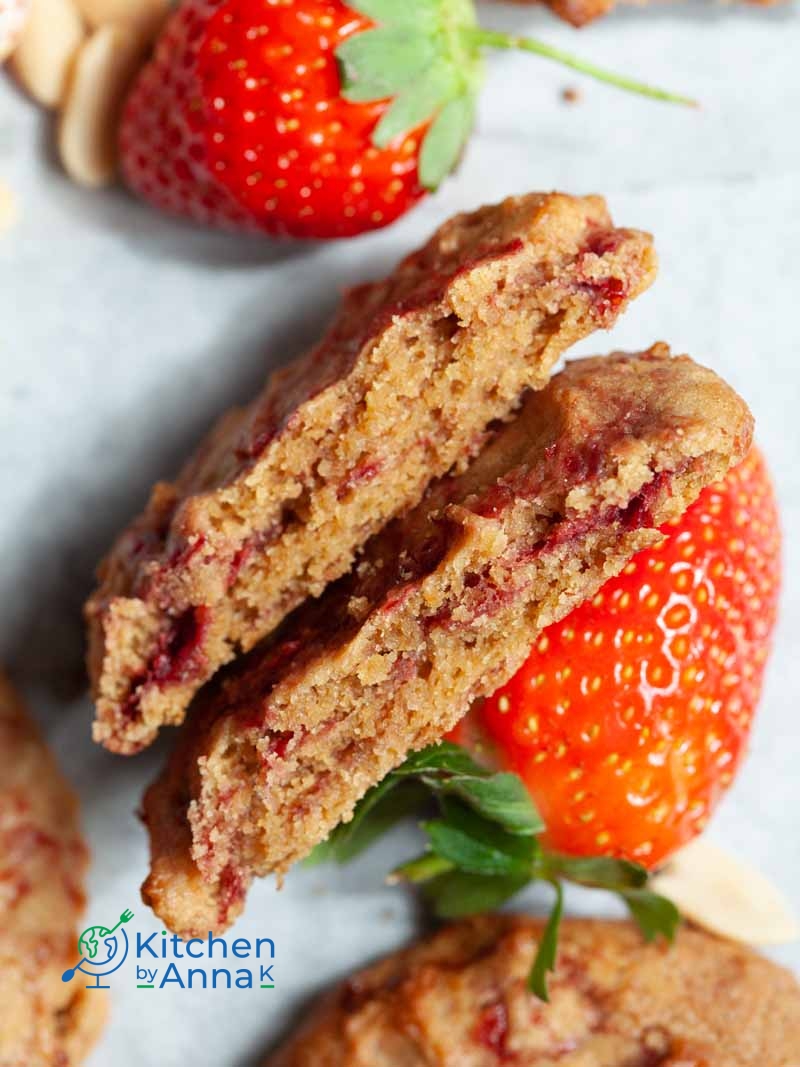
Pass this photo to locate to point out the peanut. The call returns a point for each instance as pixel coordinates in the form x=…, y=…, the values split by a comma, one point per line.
x=725, y=895
x=87, y=136
x=47, y=45
x=13, y=14
x=146, y=16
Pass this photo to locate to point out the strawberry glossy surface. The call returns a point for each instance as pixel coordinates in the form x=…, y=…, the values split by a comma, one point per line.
x=631, y=717
x=238, y=121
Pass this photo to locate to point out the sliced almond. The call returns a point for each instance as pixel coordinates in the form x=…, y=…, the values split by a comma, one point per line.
x=47, y=45
x=146, y=16
x=726, y=896
x=8, y=211
x=13, y=14
x=87, y=135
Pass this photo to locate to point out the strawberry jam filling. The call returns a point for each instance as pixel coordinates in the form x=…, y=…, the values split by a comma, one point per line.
x=483, y=598
x=179, y=657
x=361, y=474
x=608, y=294
x=250, y=549
x=232, y=889
x=491, y=1030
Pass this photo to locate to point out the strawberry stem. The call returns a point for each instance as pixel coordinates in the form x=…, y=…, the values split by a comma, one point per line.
x=420, y=870
x=494, y=39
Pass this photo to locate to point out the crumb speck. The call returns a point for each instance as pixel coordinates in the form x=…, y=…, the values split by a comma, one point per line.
x=8, y=212
x=571, y=95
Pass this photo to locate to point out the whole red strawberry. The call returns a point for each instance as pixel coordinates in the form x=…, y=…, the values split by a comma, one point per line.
x=630, y=718
x=239, y=120
x=307, y=118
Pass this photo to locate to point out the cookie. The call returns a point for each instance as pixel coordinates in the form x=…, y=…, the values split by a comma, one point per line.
x=43, y=859
x=579, y=12
x=440, y=609
x=459, y=999
x=280, y=496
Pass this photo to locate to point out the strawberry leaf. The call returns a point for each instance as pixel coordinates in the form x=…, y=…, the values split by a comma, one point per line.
x=484, y=847
x=422, y=869
x=654, y=914
x=436, y=771
x=442, y=757
x=421, y=14
x=379, y=63
x=386, y=807
x=445, y=140
x=502, y=799
x=478, y=846
x=447, y=769
x=547, y=951
x=456, y=894
x=597, y=872
x=425, y=57
x=417, y=102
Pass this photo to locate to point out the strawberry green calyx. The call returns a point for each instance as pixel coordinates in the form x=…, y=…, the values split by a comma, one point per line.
x=484, y=846
x=421, y=55
x=426, y=56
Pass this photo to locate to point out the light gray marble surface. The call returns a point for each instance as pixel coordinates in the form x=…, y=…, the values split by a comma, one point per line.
x=123, y=333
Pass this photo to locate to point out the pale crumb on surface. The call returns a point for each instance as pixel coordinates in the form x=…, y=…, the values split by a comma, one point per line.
x=8, y=208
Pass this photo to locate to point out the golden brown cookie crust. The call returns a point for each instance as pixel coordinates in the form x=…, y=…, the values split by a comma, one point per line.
x=441, y=608
x=459, y=999
x=281, y=495
x=43, y=857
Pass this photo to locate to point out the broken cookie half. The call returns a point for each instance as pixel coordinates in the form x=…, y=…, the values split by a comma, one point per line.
x=441, y=608
x=282, y=494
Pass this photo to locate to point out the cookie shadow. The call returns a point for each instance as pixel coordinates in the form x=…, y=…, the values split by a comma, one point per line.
x=158, y=237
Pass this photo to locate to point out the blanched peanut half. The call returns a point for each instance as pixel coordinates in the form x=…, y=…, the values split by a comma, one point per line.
x=726, y=896
x=144, y=15
x=13, y=14
x=87, y=135
x=47, y=45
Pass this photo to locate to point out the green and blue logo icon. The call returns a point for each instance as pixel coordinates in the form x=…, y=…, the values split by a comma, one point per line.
x=102, y=950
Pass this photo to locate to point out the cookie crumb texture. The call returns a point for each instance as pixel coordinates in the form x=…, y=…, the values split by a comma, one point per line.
x=43, y=1021
x=281, y=494
x=460, y=999
x=440, y=609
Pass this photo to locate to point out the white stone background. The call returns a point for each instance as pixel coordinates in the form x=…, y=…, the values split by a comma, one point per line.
x=123, y=333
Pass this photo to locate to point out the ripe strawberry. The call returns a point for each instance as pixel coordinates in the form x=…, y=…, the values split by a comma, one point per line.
x=308, y=118
x=630, y=718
